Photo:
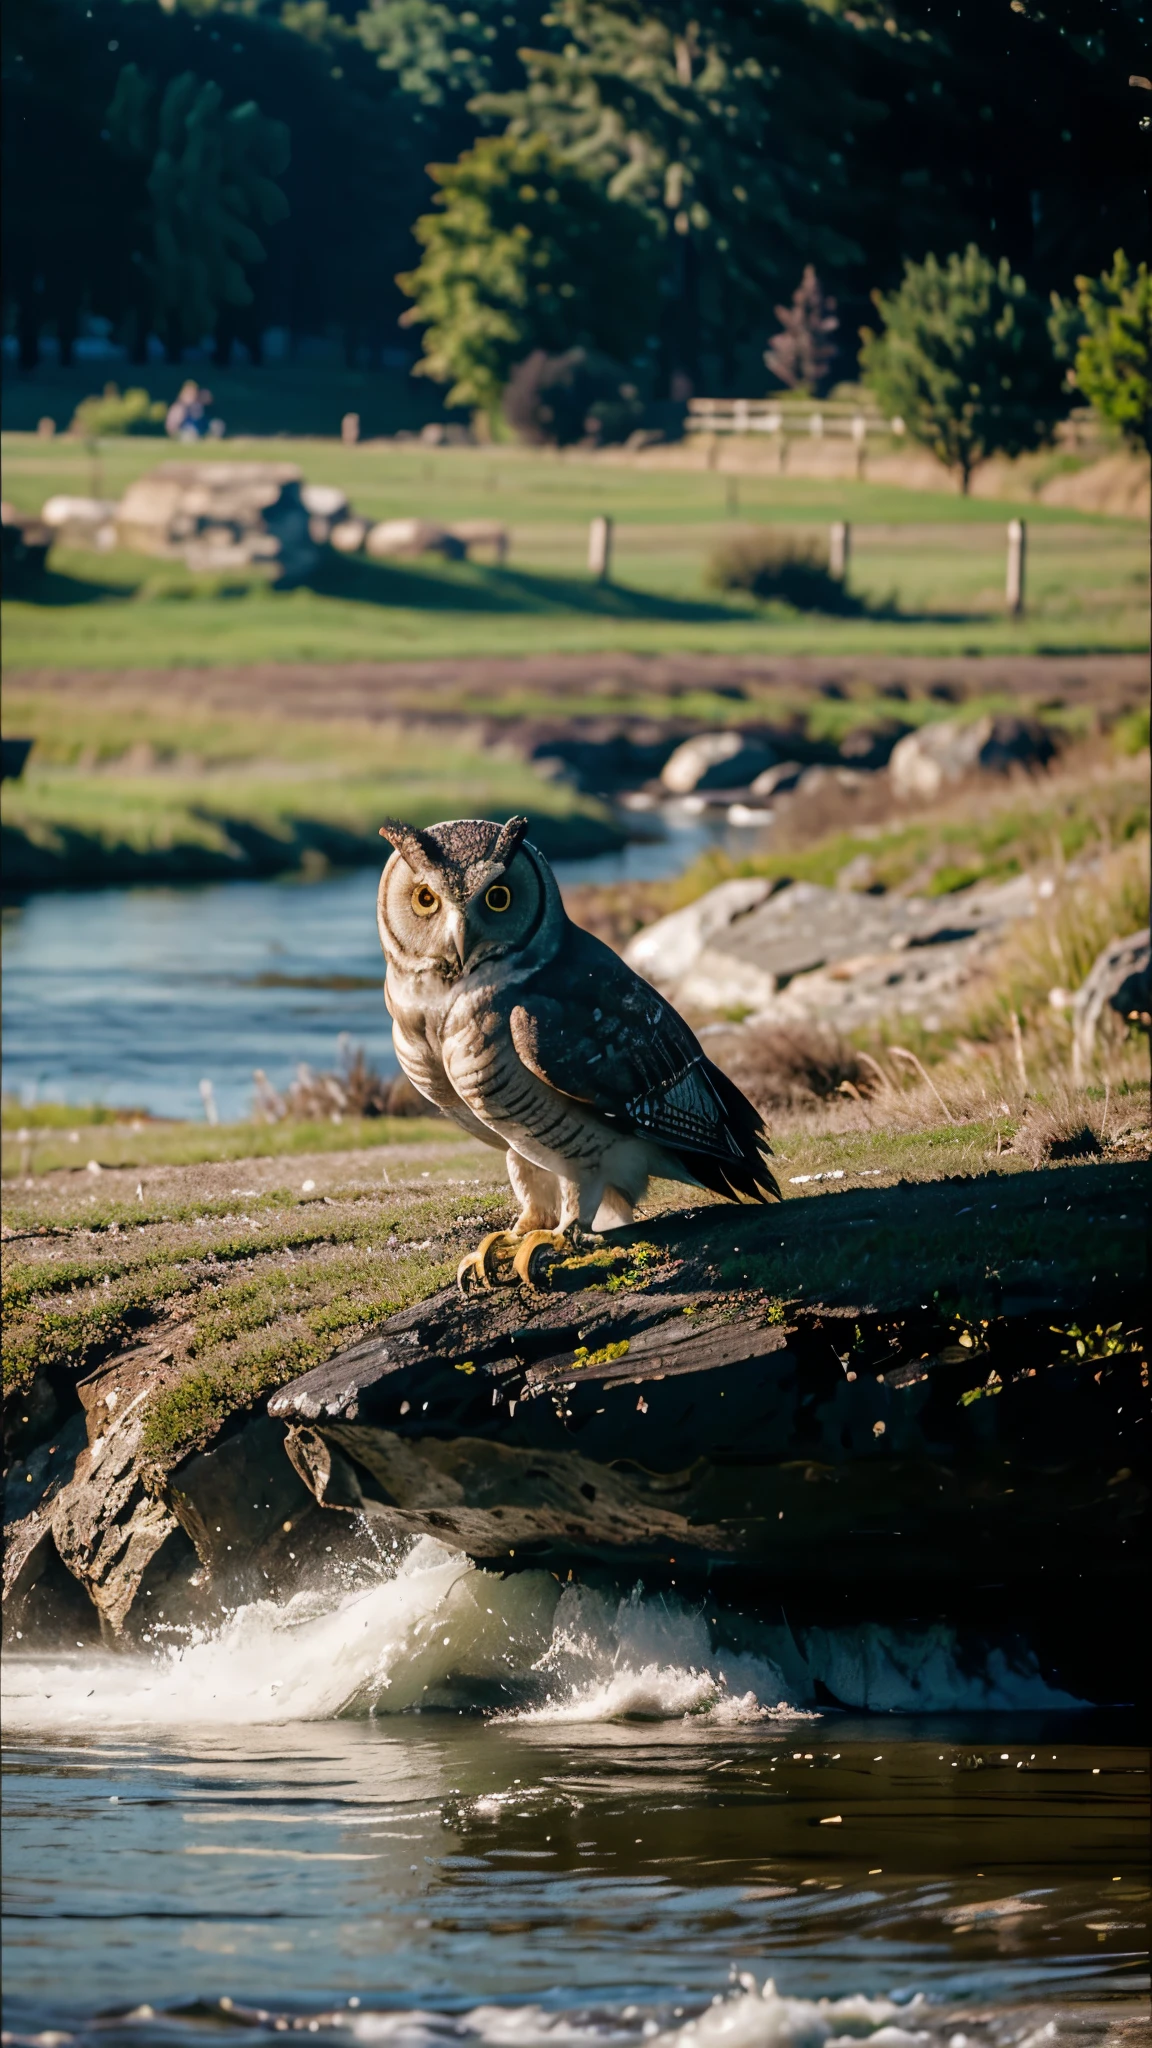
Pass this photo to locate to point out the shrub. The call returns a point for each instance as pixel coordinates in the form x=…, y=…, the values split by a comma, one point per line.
x=355, y=1090
x=117, y=412
x=1109, y=329
x=779, y=565
x=965, y=360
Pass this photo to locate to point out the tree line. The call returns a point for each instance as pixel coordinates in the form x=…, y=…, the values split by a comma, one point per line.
x=627, y=190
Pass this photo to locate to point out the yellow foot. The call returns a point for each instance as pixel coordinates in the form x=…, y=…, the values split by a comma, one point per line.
x=482, y=1265
x=555, y=1240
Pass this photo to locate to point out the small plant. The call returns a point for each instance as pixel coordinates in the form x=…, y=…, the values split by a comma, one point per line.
x=118, y=412
x=786, y=567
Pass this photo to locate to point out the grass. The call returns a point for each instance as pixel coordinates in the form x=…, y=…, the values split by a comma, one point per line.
x=1071, y=816
x=191, y=790
x=249, y=1262
x=929, y=567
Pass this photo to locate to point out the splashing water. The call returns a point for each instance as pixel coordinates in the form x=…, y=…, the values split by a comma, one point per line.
x=436, y=1631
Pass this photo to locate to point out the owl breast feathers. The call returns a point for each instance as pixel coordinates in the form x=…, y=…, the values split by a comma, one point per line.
x=536, y=1037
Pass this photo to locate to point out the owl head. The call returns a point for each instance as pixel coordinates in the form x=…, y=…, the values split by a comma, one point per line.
x=456, y=894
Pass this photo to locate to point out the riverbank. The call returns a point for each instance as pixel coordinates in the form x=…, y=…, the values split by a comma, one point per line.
x=197, y=774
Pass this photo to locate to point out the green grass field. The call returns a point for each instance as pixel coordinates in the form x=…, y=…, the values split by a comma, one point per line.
x=929, y=567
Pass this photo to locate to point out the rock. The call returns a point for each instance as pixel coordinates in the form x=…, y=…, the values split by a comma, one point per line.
x=715, y=760
x=1120, y=980
x=669, y=949
x=413, y=537
x=682, y=1421
x=324, y=501
x=946, y=751
x=870, y=746
x=483, y=533
x=348, y=535
x=775, y=781
x=800, y=951
x=81, y=522
x=327, y=507
x=222, y=515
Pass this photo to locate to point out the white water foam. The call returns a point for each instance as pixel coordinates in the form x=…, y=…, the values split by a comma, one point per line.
x=752, y=2018
x=435, y=1631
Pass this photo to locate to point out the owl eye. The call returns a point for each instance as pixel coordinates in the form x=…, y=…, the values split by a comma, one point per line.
x=424, y=900
x=498, y=897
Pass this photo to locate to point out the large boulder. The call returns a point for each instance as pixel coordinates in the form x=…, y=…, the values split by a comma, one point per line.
x=222, y=515
x=1120, y=980
x=801, y=952
x=81, y=522
x=413, y=537
x=924, y=761
x=715, y=760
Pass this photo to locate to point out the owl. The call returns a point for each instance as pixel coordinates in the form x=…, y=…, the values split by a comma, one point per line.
x=536, y=1038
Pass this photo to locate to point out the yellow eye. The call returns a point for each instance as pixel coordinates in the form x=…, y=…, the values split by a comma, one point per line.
x=424, y=900
x=498, y=897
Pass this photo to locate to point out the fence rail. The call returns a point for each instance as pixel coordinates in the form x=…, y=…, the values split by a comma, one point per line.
x=832, y=418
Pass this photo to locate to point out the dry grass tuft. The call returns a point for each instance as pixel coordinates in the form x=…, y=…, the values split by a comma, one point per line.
x=1056, y=1131
x=790, y=1066
x=356, y=1089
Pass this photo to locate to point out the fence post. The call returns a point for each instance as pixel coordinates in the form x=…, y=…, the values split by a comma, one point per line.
x=600, y=548
x=1017, y=551
x=859, y=436
x=350, y=429
x=839, y=549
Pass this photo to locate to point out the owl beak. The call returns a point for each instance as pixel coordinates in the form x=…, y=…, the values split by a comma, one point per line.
x=454, y=922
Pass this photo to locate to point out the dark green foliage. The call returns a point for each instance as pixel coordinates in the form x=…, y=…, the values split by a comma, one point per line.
x=210, y=176
x=964, y=358
x=117, y=412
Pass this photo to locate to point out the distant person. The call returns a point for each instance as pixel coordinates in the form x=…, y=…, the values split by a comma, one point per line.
x=187, y=417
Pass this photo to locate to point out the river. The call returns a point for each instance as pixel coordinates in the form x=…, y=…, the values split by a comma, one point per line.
x=132, y=996
x=622, y=1842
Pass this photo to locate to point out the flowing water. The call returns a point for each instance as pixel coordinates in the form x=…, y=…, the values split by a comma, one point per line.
x=441, y=1806
x=133, y=996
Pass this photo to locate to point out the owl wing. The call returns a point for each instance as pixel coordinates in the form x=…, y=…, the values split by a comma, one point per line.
x=591, y=1028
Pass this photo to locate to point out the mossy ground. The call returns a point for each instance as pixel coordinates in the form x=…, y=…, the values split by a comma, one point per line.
x=247, y=1267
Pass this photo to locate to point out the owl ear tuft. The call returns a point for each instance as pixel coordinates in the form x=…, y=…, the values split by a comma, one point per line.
x=508, y=840
x=406, y=840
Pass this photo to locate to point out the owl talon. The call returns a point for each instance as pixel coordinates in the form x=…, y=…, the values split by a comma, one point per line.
x=556, y=1240
x=480, y=1265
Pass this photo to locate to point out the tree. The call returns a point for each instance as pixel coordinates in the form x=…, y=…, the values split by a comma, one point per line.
x=1108, y=333
x=803, y=352
x=524, y=252
x=965, y=360
x=725, y=128
x=211, y=175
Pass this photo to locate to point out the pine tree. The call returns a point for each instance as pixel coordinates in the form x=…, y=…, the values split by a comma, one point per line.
x=803, y=352
x=1108, y=334
x=212, y=174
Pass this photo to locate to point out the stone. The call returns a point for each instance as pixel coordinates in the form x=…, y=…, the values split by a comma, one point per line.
x=949, y=749
x=348, y=536
x=81, y=522
x=390, y=537
x=715, y=760
x=802, y=952
x=326, y=506
x=775, y=781
x=222, y=515
x=666, y=951
x=1120, y=980
x=870, y=746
